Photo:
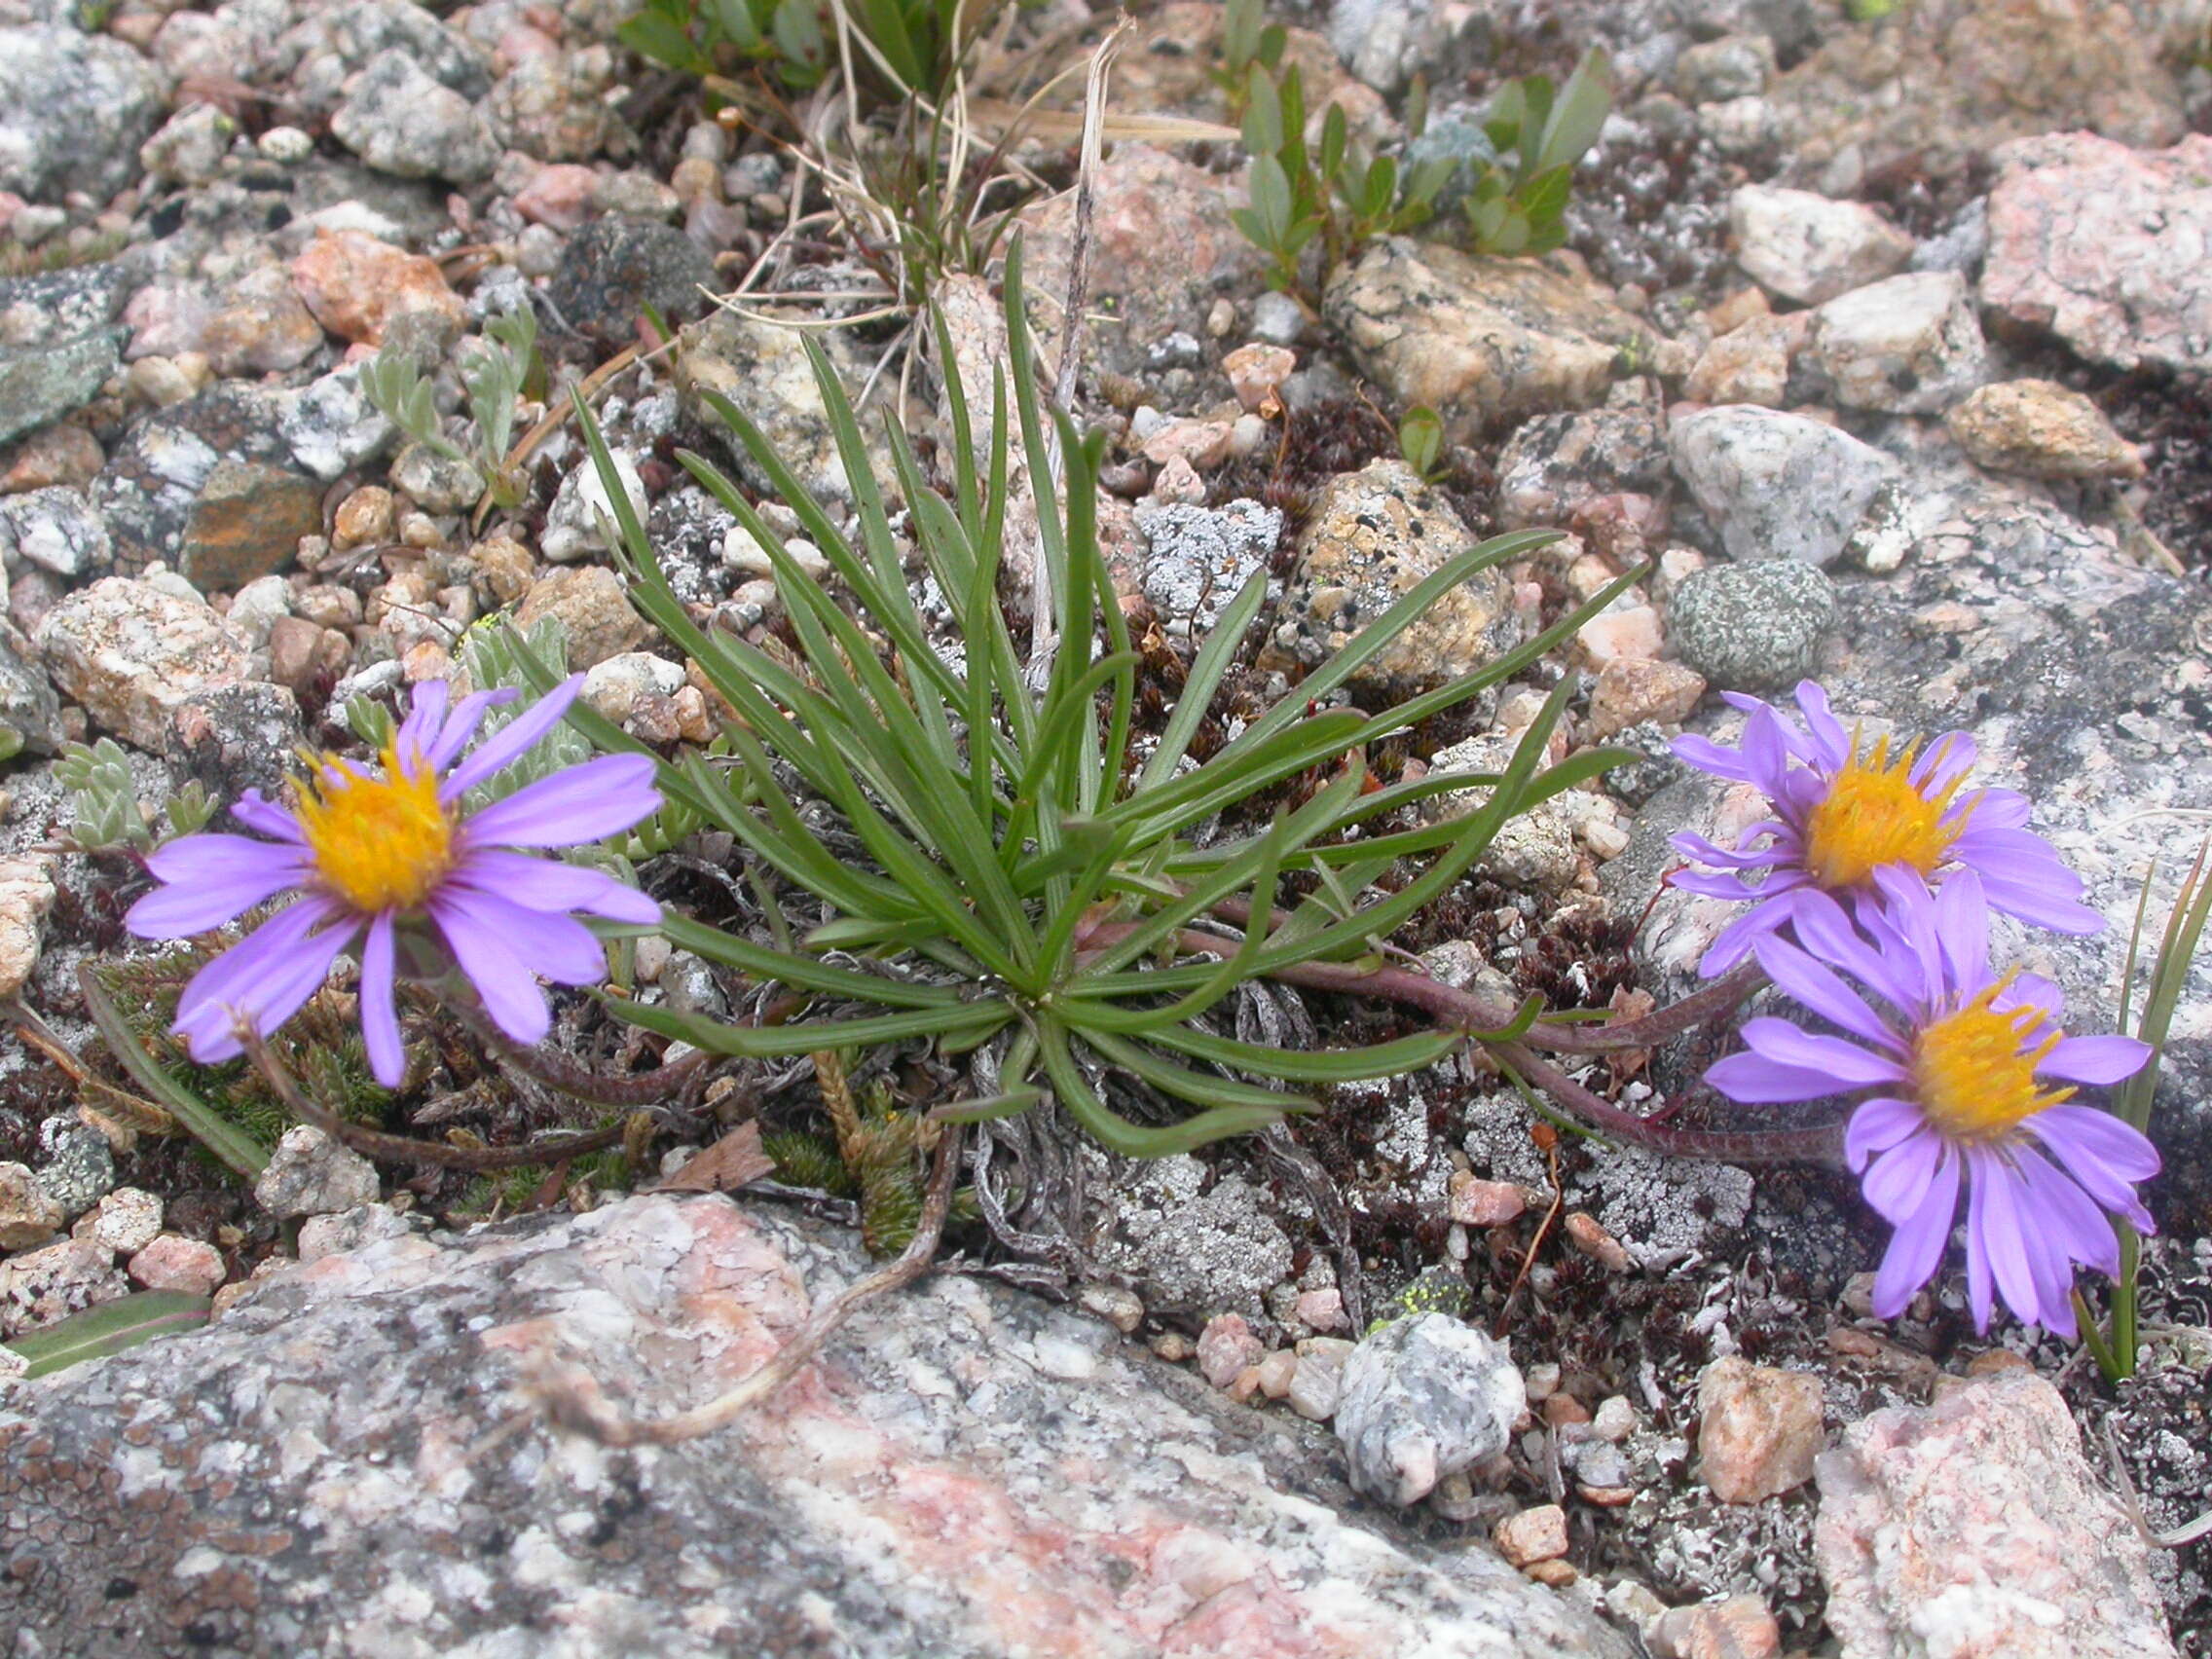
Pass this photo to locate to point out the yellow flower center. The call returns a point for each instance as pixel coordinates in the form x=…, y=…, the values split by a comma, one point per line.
x=1973, y=1078
x=380, y=843
x=1873, y=815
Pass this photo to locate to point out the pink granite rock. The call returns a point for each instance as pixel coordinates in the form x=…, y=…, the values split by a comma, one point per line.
x=2104, y=247
x=1973, y=1527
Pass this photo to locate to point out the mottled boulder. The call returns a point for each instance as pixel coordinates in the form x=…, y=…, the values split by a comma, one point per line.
x=133, y=653
x=1163, y=249
x=2104, y=247
x=74, y=108
x=1374, y=536
x=1478, y=338
x=1943, y=81
x=967, y=1470
x=1973, y=1527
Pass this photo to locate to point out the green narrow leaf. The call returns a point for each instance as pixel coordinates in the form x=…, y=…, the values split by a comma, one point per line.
x=1204, y=680
x=769, y=1042
x=1325, y=1065
x=111, y=1328
x=1116, y=1132
x=227, y=1142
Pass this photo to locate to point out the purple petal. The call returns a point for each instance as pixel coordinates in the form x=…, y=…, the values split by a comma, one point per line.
x=379, y=1021
x=1961, y=929
x=1991, y=809
x=1711, y=884
x=1766, y=751
x=1997, y=1217
x=513, y=740
x=1831, y=745
x=582, y=803
x=548, y=884
x=2096, y=1059
x=1951, y=756
x=1708, y=755
x=1916, y=1249
x=418, y=732
x=1897, y=1184
x=1979, y=1288
x=2100, y=1150
x=1733, y=942
x=256, y=813
x=508, y=989
x=1818, y=989
x=210, y=880
x=2036, y=903
x=460, y=725
x=557, y=946
x=2033, y=990
x=263, y=980
x=1759, y=1081
x=2070, y=1220
x=1744, y=856
x=1846, y=1064
x=1878, y=1124
x=1827, y=932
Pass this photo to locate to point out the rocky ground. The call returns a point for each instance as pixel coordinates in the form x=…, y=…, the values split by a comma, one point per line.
x=1882, y=332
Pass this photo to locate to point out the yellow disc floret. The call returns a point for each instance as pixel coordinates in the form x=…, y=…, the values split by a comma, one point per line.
x=1874, y=814
x=1975, y=1079
x=379, y=842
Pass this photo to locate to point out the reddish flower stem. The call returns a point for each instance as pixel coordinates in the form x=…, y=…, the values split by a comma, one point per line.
x=1464, y=1011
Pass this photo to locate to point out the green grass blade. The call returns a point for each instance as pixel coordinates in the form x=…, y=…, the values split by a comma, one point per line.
x=803, y=972
x=110, y=1327
x=1207, y=671
x=1185, y=1084
x=232, y=1145
x=968, y=1020
x=1327, y=1065
x=1116, y=1132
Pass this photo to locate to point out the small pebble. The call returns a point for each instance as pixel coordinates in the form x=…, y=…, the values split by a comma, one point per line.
x=1587, y=1235
x=1533, y=1535
x=1226, y=1346
x=173, y=1262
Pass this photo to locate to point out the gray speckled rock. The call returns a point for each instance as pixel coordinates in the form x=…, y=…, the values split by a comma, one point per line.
x=401, y=120
x=1752, y=627
x=1777, y=486
x=1908, y=345
x=54, y=528
x=131, y=653
x=1196, y=558
x=1424, y=1397
x=40, y=383
x=311, y=1174
x=1476, y=338
x=763, y=370
x=1189, y=1246
x=30, y=713
x=74, y=108
x=1376, y=535
x=613, y=268
x=967, y=1470
x=1975, y=1527
x=1808, y=248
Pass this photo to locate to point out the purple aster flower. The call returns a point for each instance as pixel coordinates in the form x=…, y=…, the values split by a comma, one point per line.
x=1955, y=1059
x=387, y=852
x=1843, y=810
